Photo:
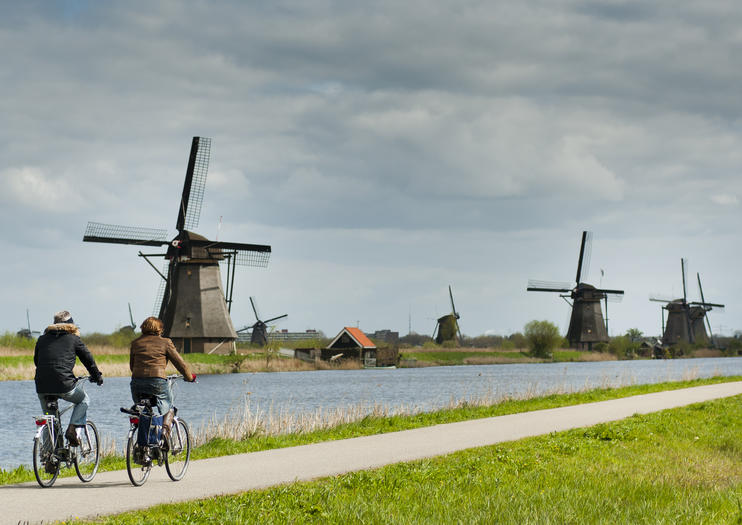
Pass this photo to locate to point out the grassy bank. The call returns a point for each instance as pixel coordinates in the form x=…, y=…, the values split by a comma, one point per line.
x=251, y=432
x=489, y=356
x=17, y=363
x=677, y=466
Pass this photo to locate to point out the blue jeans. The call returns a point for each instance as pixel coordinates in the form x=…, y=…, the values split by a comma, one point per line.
x=78, y=397
x=153, y=386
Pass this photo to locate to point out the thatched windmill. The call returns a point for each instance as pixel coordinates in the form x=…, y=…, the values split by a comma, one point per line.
x=195, y=307
x=586, y=323
x=447, y=327
x=685, y=320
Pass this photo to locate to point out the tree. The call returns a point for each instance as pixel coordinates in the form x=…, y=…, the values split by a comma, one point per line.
x=634, y=334
x=542, y=337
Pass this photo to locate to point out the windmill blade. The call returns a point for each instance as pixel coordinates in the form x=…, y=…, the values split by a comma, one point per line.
x=189, y=211
x=659, y=298
x=612, y=297
x=548, y=286
x=255, y=255
x=586, y=249
x=458, y=330
x=606, y=291
x=117, y=234
x=131, y=317
x=453, y=306
x=275, y=318
x=160, y=297
x=435, y=329
x=684, y=270
x=706, y=305
x=254, y=309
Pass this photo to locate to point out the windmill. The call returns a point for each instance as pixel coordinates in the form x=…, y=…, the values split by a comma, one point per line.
x=131, y=327
x=194, y=307
x=259, y=334
x=27, y=333
x=685, y=320
x=447, y=327
x=586, y=323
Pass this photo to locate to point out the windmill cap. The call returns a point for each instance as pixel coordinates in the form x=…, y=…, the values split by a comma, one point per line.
x=63, y=317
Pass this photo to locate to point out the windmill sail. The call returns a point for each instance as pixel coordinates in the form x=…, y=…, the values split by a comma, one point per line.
x=189, y=212
x=117, y=234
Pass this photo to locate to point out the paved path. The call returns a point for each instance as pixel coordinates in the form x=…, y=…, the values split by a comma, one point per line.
x=111, y=492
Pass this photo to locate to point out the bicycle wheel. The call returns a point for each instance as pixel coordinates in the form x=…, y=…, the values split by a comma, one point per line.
x=179, y=450
x=138, y=473
x=45, y=465
x=87, y=454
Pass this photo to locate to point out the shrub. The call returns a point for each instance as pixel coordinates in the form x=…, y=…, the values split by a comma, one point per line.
x=542, y=337
x=601, y=347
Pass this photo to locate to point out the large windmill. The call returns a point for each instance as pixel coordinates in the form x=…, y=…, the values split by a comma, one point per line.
x=195, y=307
x=685, y=319
x=259, y=334
x=586, y=323
x=447, y=327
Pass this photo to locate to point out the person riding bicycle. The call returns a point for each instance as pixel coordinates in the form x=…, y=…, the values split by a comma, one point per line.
x=54, y=356
x=148, y=358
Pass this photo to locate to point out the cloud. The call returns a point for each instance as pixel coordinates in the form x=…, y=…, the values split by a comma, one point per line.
x=31, y=187
x=725, y=199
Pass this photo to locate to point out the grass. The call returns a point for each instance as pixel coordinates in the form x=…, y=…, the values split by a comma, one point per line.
x=467, y=356
x=17, y=363
x=676, y=466
x=247, y=433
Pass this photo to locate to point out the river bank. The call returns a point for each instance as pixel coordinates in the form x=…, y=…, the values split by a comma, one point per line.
x=17, y=363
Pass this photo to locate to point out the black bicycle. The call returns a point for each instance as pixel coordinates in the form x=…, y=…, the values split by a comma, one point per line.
x=51, y=449
x=146, y=446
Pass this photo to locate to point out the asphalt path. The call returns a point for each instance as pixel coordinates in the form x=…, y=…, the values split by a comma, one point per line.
x=111, y=492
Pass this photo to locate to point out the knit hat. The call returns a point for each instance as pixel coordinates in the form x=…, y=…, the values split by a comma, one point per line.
x=63, y=317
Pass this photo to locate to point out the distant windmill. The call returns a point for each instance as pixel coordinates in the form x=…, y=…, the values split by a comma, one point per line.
x=586, y=323
x=27, y=333
x=131, y=327
x=194, y=306
x=447, y=327
x=259, y=334
x=685, y=320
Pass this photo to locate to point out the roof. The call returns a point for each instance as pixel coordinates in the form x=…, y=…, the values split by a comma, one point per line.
x=357, y=335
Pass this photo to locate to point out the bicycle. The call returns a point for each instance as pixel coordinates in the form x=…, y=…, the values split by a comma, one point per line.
x=142, y=452
x=51, y=448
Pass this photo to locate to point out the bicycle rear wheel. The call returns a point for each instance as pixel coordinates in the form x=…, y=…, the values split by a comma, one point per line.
x=45, y=465
x=179, y=450
x=87, y=454
x=138, y=473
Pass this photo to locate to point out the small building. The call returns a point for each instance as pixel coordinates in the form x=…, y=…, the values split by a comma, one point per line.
x=352, y=343
x=386, y=336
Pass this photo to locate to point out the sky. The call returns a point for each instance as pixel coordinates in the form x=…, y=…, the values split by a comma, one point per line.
x=384, y=150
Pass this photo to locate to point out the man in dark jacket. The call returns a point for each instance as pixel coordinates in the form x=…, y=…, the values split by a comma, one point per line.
x=54, y=356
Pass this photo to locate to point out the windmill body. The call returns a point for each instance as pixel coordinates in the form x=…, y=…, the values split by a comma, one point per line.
x=587, y=326
x=687, y=320
x=195, y=305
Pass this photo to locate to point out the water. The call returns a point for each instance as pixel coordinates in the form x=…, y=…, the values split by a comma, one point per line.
x=303, y=392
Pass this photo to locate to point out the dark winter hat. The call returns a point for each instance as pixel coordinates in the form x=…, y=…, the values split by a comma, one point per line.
x=63, y=317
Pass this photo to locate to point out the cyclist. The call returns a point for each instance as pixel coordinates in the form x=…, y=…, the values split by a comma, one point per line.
x=148, y=358
x=54, y=356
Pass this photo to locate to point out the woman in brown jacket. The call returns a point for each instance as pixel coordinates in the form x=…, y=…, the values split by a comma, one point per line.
x=148, y=358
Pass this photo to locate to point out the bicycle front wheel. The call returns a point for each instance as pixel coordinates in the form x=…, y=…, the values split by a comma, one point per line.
x=45, y=464
x=179, y=450
x=87, y=454
x=137, y=466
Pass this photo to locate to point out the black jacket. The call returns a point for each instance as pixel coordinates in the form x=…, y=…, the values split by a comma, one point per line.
x=55, y=355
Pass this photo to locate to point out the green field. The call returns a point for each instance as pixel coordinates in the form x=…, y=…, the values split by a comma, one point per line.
x=677, y=466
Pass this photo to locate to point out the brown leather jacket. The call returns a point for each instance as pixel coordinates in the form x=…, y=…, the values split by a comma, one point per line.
x=149, y=355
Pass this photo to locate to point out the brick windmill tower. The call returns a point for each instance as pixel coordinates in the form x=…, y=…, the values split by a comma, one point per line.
x=195, y=307
x=586, y=324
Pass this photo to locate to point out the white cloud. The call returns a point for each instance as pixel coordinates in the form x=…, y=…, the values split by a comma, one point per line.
x=31, y=187
x=725, y=199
